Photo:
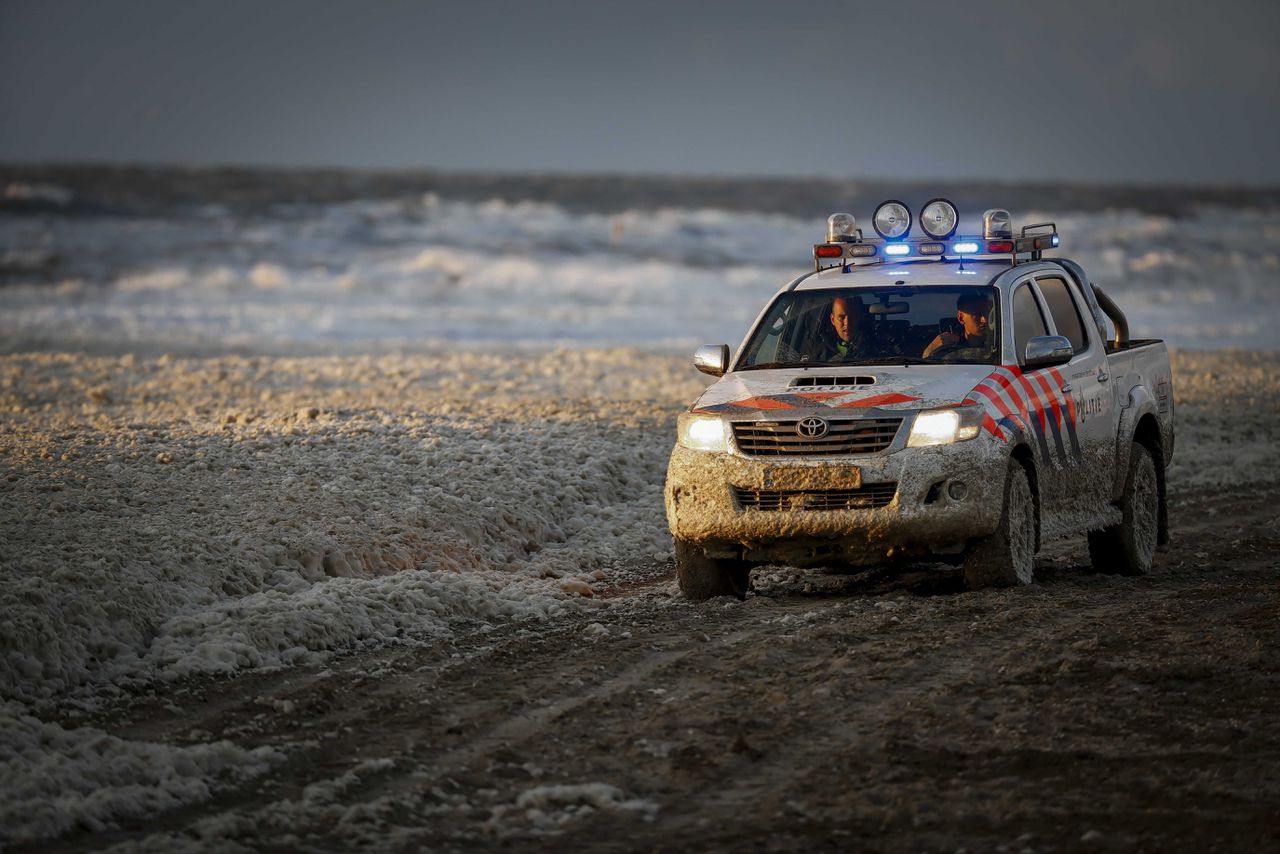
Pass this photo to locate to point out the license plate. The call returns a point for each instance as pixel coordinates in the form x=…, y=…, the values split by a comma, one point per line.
x=804, y=477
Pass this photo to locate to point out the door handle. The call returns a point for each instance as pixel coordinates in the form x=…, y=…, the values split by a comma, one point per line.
x=1102, y=376
x=1066, y=388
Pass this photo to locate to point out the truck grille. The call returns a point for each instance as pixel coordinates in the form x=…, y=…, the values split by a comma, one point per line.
x=779, y=438
x=864, y=498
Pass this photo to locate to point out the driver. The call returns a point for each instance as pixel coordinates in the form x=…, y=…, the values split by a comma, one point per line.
x=973, y=310
x=849, y=319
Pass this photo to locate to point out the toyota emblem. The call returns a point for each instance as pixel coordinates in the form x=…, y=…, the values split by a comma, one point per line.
x=812, y=428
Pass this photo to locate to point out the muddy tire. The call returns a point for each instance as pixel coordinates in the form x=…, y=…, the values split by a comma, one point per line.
x=1006, y=557
x=701, y=577
x=1129, y=548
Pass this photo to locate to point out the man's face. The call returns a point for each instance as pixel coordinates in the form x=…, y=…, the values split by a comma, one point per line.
x=840, y=319
x=974, y=318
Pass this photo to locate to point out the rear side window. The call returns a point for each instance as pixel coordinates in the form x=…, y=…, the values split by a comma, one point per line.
x=1065, y=314
x=1027, y=321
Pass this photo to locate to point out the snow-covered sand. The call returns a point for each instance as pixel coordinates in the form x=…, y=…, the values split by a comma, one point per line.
x=167, y=517
x=60, y=779
x=205, y=515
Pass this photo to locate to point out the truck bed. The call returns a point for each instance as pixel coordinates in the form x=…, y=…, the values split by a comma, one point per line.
x=1143, y=365
x=1131, y=344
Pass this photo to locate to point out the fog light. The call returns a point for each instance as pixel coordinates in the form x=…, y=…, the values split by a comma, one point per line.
x=957, y=490
x=891, y=220
x=938, y=218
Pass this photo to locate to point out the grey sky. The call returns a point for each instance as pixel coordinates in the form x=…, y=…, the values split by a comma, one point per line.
x=1116, y=91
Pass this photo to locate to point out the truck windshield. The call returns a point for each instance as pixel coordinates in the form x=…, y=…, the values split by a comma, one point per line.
x=867, y=326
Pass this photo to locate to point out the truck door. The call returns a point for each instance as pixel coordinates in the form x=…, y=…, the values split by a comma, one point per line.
x=1083, y=403
x=1027, y=395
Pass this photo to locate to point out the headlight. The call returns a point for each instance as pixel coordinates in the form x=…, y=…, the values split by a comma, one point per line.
x=944, y=426
x=701, y=432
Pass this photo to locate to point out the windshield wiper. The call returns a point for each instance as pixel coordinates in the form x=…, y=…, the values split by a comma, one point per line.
x=764, y=366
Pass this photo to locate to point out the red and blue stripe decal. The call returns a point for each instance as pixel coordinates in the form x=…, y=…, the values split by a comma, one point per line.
x=1031, y=405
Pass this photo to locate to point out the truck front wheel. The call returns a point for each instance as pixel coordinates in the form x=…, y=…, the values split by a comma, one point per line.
x=1007, y=556
x=701, y=577
x=1129, y=548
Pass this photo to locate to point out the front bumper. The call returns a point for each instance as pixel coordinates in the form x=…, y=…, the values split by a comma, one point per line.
x=705, y=503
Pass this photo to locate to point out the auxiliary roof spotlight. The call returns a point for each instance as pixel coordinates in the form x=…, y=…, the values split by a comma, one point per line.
x=892, y=219
x=842, y=228
x=997, y=224
x=939, y=219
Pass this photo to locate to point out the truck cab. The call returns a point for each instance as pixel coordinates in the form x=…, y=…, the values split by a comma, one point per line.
x=944, y=397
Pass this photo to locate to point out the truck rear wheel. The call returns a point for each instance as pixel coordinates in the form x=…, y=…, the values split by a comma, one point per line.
x=1129, y=548
x=1007, y=556
x=701, y=577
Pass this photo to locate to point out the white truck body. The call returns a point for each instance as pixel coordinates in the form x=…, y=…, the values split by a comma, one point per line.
x=767, y=496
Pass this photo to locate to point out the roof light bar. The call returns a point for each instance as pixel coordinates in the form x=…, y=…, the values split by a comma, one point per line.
x=846, y=247
x=1037, y=243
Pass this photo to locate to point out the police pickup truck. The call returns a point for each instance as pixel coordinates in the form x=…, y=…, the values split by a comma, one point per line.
x=943, y=397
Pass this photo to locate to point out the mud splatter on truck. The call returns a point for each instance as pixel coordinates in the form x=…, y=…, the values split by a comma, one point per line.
x=960, y=397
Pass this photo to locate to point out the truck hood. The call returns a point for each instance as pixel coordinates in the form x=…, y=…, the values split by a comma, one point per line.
x=771, y=393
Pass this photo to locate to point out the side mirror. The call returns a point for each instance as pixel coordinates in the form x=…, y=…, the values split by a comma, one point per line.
x=1045, y=351
x=712, y=359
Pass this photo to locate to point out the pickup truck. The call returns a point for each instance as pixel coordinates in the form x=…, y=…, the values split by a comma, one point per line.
x=941, y=398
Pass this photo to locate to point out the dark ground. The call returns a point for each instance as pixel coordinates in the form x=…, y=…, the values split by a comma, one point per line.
x=863, y=712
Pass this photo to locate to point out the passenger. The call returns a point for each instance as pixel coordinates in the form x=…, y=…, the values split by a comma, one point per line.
x=850, y=320
x=973, y=311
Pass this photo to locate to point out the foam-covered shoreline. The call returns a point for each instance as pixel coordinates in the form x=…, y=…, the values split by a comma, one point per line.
x=175, y=516
x=165, y=518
